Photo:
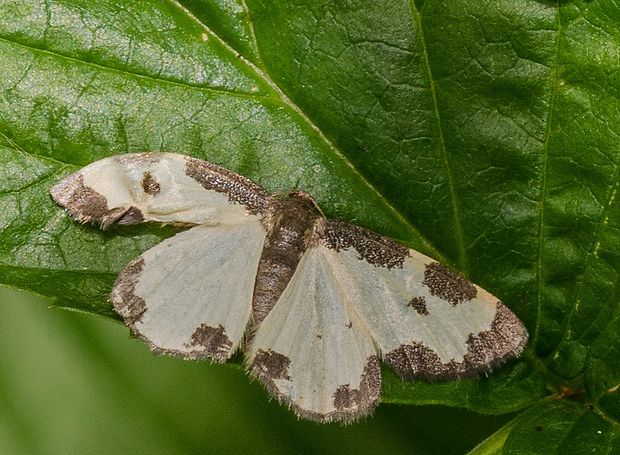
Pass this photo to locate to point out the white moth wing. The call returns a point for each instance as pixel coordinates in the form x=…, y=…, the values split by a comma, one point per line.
x=164, y=187
x=191, y=295
x=312, y=351
x=427, y=320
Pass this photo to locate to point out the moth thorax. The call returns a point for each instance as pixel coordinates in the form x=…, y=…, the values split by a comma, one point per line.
x=302, y=201
x=291, y=221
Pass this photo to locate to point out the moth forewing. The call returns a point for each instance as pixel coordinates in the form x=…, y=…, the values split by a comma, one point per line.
x=163, y=187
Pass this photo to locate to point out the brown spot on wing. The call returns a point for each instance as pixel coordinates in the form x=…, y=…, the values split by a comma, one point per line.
x=127, y=304
x=82, y=202
x=372, y=247
x=419, y=305
x=86, y=205
x=447, y=284
x=269, y=366
x=505, y=339
x=239, y=189
x=214, y=340
x=351, y=403
x=149, y=184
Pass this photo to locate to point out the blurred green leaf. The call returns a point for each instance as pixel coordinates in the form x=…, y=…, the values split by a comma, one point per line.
x=74, y=384
x=483, y=133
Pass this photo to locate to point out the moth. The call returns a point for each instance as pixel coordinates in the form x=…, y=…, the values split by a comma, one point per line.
x=314, y=303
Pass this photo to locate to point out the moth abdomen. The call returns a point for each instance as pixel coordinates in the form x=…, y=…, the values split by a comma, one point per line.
x=292, y=223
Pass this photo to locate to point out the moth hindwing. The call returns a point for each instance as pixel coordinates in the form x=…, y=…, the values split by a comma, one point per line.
x=318, y=302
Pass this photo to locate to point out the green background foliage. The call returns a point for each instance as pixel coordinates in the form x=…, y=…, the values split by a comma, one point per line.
x=74, y=384
x=484, y=134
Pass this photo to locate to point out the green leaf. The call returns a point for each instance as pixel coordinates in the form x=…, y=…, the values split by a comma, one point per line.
x=494, y=444
x=484, y=134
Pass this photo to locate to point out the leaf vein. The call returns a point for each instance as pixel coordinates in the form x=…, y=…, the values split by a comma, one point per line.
x=458, y=229
x=100, y=66
x=589, y=260
x=246, y=12
x=543, y=184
